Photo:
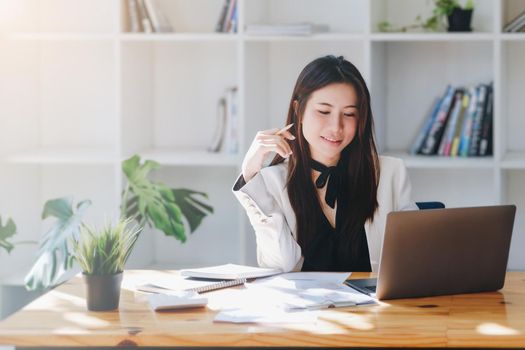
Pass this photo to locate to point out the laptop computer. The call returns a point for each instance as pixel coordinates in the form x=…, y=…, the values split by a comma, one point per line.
x=442, y=251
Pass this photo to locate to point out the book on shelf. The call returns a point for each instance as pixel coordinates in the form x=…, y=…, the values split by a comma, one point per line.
x=133, y=16
x=227, y=22
x=460, y=126
x=456, y=138
x=517, y=24
x=145, y=21
x=158, y=20
x=224, y=11
x=424, y=130
x=220, y=126
x=476, y=122
x=229, y=272
x=466, y=129
x=226, y=133
x=450, y=127
x=286, y=29
x=485, y=143
x=431, y=144
x=146, y=16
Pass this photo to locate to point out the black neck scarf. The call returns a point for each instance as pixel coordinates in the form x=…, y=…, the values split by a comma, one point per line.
x=334, y=183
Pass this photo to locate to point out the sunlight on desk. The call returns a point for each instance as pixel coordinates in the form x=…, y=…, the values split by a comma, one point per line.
x=333, y=321
x=60, y=318
x=496, y=329
x=85, y=320
x=57, y=301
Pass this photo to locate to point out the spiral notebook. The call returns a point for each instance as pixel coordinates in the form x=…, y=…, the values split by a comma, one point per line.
x=207, y=279
x=153, y=288
x=229, y=272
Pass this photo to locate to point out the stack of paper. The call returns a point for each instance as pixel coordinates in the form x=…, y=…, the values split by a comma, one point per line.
x=176, y=300
x=279, y=298
x=283, y=298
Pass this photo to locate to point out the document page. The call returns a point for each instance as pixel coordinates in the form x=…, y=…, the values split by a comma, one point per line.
x=288, y=295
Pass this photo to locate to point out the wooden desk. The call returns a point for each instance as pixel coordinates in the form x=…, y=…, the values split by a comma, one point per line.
x=59, y=318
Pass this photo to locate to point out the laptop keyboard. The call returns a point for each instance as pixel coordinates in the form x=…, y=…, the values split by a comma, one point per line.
x=371, y=289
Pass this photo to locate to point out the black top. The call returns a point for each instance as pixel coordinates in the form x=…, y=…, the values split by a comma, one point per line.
x=323, y=254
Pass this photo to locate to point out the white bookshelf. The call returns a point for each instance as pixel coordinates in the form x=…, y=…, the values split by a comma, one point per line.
x=79, y=93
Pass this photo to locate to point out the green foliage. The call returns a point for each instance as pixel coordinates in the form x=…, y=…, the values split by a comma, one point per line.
x=105, y=252
x=192, y=209
x=157, y=205
x=436, y=22
x=7, y=232
x=147, y=202
x=54, y=256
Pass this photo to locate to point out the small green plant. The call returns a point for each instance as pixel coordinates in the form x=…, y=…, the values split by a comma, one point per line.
x=105, y=252
x=436, y=22
x=6, y=233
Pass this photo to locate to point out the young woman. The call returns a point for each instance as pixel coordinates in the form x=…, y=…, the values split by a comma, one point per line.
x=322, y=203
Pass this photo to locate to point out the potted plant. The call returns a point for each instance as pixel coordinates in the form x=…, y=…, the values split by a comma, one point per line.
x=459, y=18
x=149, y=203
x=102, y=255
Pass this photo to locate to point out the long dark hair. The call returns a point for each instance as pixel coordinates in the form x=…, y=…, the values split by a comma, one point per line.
x=359, y=160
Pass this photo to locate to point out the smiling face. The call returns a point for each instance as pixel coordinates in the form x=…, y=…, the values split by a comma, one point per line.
x=329, y=121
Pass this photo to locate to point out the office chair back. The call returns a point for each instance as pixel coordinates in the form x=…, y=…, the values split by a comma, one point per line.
x=430, y=205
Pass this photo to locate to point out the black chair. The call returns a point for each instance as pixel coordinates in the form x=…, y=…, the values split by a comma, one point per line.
x=430, y=205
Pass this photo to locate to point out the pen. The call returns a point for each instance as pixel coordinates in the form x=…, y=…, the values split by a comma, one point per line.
x=284, y=129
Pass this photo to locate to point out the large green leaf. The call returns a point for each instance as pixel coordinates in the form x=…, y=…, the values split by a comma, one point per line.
x=192, y=209
x=157, y=205
x=6, y=232
x=54, y=256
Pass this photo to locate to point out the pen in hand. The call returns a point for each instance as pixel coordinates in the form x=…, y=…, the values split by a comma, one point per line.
x=287, y=135
x=287, y=127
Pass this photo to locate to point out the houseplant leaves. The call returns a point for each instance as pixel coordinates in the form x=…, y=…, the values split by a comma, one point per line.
x=147, y=202
x=7, y=232
x=54, y=256
x=156, y=204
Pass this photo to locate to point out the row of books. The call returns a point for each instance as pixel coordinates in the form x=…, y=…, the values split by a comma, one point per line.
x=226, y=135
x=146, y=16
x=517, y=24
x=460, y=124
x=227, y=22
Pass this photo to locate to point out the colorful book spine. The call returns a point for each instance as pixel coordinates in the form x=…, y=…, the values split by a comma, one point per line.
x=476, y=124
x=222, y=18
x=423, y=133
x=436, y=131
x=466, y=131
x=448, y=135
x=454, y=148
x=485, y=144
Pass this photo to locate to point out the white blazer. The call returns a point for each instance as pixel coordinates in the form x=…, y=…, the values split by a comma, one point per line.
x=266, y=202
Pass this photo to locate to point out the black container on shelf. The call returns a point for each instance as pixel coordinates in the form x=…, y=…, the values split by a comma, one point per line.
x=459, y=20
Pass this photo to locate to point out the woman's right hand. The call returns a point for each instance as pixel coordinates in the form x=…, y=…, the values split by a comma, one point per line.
x=266, y=141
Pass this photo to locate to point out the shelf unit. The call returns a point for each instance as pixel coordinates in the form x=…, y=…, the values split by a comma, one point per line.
x=79, y=93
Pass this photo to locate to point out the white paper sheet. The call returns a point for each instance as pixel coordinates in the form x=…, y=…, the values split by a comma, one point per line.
x=176, y=300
